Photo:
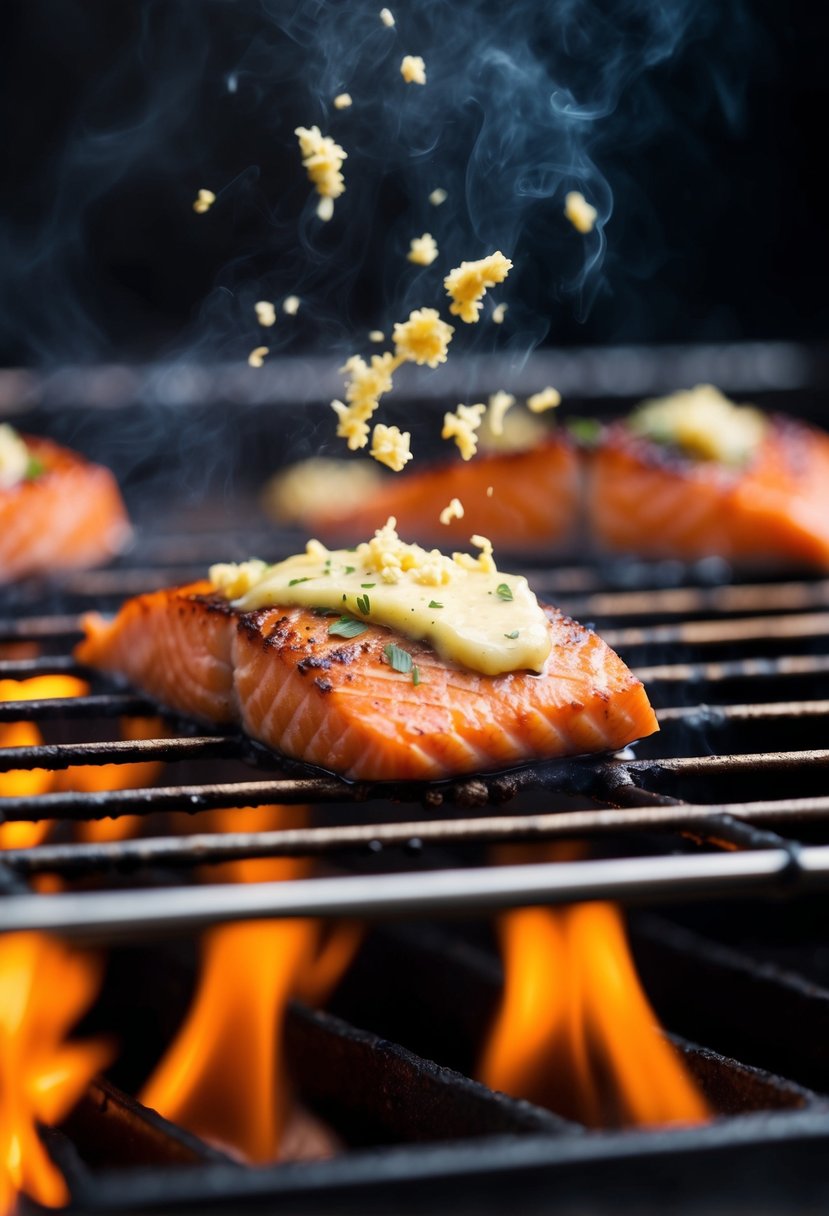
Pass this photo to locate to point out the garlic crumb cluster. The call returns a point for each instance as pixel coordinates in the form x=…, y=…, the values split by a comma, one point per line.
x=581, y=214
x=499, y=403
x=423, y=250
x=547, y=399
x=462, y=426
x=256, y=358
x=342, y=101
x=394, y=559
x=499, y=312
x=438, y=196
x=290, y=305
x=413, y=69
x=323, y=159
x=423, y=339
x=233, y=579
x=484, y=563
x=467, y=284
x=453, y=511
x=387, y=17
x=390, y=446
x=204, y=201
x=265, y=313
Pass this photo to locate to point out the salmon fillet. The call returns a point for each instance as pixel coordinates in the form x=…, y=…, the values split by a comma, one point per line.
x=70, y=516
x=278, y=674
x=643, y=499
x=534, y=501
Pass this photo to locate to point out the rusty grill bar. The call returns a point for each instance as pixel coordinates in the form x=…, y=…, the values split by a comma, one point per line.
x=665, y=632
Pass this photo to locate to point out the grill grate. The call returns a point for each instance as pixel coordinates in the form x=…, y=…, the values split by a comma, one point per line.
x=675, y=798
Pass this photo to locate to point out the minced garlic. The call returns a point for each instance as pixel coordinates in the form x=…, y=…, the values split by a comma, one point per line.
x=462, y=426
x=498, y=313
x=265, y=313
x=499, y=403
x=204, y=201
x=256, y=358
x=467, y=284
x=581, y=214
x=702, y=423
x=14, y=457
x=323, y=159
x=290, y=305
x=424, y=338
x=423, y=249
x=390, y=446
x=464, y=606
x=352, y=424
x=387, y=17
x=376, y=335
x=438, y=196
x=547, y=399
x=453, y=511
x=342, y=101
x=413, y=69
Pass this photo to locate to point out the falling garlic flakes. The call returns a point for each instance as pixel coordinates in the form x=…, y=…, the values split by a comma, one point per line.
x=390, y=446
x=547, y=399
x=579, y=212
x=257, y=356
x=265, y=313
x=453, y=511
x=462, y=427
x=438, y=196
x=467, y=284
x=387, y=17
x=498, y=313
x=290, y=305
x=499, y=403
x=413, y=69
x=204, y=202
x=342, y=101
x=376, y=335
x=423, y=250
x=323, y=159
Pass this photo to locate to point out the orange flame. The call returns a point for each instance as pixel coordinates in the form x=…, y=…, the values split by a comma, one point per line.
x=44, y=988
x=575, y=1031
x=224, y=1075
x=21, y=783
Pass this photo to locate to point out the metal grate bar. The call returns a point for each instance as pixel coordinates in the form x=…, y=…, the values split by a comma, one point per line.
x=710, y=633
x=700, y=820
x=713, y=715
x=62, y=755
x=24, y=669
x=736, y=669
x=95, y=705
x=684, y=601
x=38, y=628
x=115, y=915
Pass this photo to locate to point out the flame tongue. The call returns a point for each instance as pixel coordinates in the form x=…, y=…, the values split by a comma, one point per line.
x=44, y=987
x=224, y=1075
x=575, y=1031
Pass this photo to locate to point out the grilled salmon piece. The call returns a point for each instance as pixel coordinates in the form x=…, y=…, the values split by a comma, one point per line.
x=534, y=502
x=644, y=498
x=70, y=516
x=338, y=704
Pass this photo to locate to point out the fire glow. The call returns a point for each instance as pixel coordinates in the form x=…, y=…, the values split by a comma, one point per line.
x=575, y=1031
x=224, y=1076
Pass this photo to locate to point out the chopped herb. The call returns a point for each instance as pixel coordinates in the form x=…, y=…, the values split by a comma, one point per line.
x=347, y=627
x=350, y=569
x=400, y=660
x=345, y=597
x=415, y=676
x=434, y=604
x=34, y=468
x=367, y=586
x=363, y=605
x=318, y=611
x=293, y=582
x=504, y=591
x=512, y=635
x=584, y=430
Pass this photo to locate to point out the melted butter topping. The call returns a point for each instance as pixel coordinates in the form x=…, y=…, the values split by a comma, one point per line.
x=470, y=612
x=702, y=423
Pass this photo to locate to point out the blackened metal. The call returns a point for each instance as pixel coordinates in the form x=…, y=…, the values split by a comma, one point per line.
x=735, y=669
x=95, y=705
x=62, y=755
x=722, y=632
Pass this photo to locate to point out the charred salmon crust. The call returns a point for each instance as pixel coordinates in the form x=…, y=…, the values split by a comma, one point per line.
x=337, y=704
x=69, y=517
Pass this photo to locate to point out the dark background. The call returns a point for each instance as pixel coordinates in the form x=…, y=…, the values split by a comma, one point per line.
x=116, y=113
